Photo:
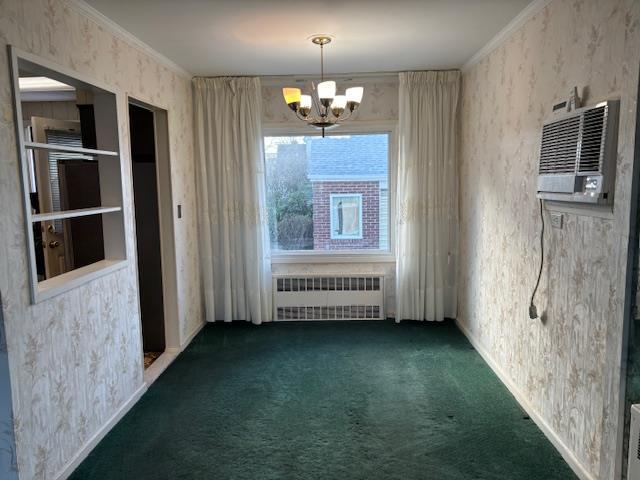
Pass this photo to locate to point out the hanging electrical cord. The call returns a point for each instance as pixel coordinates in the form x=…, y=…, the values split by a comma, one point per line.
x=533, y=311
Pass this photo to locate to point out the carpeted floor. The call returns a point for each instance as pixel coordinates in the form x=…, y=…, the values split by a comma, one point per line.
x=334, y=400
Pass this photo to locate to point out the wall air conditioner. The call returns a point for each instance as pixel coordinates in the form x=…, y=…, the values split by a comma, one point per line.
x=578, y=155
x=633, y=472
x=300, y=297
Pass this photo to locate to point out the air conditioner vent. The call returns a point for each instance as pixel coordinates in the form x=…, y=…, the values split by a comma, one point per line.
x=578, y=155
x=592, y=140
x=559, y=146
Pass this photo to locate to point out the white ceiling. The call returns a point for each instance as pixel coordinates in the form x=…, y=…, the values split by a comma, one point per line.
x=269, y=37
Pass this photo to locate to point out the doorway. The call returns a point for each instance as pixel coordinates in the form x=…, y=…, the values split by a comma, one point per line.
x=155, y=243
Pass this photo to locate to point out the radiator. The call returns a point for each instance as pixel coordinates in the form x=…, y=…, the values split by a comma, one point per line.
x=633, y=472
x=300, y=297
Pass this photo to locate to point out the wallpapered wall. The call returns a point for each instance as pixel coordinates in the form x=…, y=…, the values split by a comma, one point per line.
x=567, y=365
x=379, y=104
x=8, y=461
x=76, y=359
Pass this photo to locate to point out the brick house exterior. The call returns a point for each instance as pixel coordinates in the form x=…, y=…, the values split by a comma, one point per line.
x=322, y=191
x=356, y=165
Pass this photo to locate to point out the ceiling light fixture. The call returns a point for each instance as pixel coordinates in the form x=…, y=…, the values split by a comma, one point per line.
x=42, y=84
x=323, y=109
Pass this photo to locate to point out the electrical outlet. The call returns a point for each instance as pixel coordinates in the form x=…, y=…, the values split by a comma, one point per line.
x=556, y=220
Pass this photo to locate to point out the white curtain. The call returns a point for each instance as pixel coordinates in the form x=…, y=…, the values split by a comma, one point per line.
x=234, y=241
x=427, y=196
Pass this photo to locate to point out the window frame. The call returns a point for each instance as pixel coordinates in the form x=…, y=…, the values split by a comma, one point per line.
x=112, y=211
x=353, y=127
x=332, y=234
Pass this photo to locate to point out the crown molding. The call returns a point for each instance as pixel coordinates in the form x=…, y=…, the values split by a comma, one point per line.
x=503, y=35
x=88, y=11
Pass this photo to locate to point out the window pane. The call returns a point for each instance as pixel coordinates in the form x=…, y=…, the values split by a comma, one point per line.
x=328, y=193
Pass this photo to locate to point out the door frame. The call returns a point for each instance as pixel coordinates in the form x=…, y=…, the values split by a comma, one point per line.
x=168, y=255
x=631, y=304
x=39, y=126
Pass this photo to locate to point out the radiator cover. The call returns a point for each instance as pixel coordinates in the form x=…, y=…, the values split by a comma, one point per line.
x=328, y=297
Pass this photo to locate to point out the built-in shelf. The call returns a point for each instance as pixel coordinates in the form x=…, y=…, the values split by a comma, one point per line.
x=62, y=148
x=81, y=212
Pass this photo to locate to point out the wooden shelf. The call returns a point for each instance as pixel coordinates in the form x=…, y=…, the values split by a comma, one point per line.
x=62, y=148
x=81, y=212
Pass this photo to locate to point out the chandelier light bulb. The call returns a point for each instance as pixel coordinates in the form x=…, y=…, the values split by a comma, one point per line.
x=354, y=94
x=338, y=105
x=326, y=92
x=305, y=101
x=291, y=97
x=305, y=105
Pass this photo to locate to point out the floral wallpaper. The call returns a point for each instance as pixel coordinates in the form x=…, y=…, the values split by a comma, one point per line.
x=8, y=461
x=76, y=358
x=379, y=104
x=567, y=364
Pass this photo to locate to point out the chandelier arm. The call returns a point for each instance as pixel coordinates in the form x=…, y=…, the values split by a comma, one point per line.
x=314, y=99
x=346, y=115
x=300, y=117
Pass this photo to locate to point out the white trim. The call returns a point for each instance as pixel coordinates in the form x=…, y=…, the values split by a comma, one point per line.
x=63, y=148
x=90, y=444
x=88, y=11
x=336, y=236
x=75, y=278
x=79, y=212
x=191, y=336
x=552, y=436
x=503, y=35
x=159, y=365
x=319, y=256
x=348, y=178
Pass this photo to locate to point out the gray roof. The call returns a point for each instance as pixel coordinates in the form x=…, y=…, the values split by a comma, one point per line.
x=350, y=156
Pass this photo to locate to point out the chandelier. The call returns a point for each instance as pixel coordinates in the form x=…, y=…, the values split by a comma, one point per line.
x=323, y=109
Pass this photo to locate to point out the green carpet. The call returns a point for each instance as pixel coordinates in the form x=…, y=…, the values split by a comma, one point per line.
x=334, y=400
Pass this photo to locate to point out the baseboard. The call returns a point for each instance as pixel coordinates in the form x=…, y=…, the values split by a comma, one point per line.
x=191, y=336
x=159, y=365
x=90, y=444
x=553, y=437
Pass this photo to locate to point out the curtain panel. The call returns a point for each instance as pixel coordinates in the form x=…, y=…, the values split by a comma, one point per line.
x=427, y=196
x=234, y=241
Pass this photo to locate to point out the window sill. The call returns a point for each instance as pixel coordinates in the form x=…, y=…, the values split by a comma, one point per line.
x=75, y=278
x=333, y=257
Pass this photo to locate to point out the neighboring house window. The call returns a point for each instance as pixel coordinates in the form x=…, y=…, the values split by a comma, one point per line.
x=328, y=194
x=346, y=216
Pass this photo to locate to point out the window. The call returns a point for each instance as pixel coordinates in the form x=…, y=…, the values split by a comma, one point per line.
x=346, y=216
x=328, y=194
x=70, y=163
